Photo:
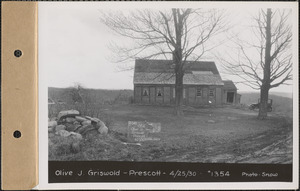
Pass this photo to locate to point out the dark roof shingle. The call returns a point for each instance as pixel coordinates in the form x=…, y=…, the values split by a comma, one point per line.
x=229, y=85
x=166, y=66
x=162, y=72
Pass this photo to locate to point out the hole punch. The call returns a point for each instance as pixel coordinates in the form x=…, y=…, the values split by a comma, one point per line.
x=17, y=134
x=18, y=53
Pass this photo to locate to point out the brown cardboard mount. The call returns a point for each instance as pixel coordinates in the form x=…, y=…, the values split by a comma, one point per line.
x=19, y=96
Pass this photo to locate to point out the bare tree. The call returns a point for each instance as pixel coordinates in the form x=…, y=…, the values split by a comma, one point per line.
x=75, y=92
x=266, y=61
x=177, y=34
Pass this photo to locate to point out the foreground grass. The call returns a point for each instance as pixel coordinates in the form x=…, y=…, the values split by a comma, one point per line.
x=234, y=136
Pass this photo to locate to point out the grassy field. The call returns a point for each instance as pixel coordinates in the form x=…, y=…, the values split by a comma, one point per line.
x=227, y=134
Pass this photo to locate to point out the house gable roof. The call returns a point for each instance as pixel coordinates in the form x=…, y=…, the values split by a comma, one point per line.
x=162, y=72
x=229, y=85
x=166, y=66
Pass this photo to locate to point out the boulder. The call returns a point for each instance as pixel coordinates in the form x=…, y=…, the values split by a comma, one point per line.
x=103, y=130
x=60, y=127
x=88, y=117
x=76, y=123
x=80, y=119
x=96, y=120
x=70, y=119
x=68, y=113
x=87, y=122
x=63, y=133
x=92, y=134
x=85, y=128
x=50, y=129
x=72, y=127
x=76, y=136
x=52, y=123
x=100, y=124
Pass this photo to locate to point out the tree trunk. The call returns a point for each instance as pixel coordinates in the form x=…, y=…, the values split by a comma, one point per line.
x=178, y=93
x=263, y=106
x=265, y=87
x=178, y=82
x=177, y=59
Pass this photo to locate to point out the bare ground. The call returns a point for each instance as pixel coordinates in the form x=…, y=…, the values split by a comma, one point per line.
x=234, y=136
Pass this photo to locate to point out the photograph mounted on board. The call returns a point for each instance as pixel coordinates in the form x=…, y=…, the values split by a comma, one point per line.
x=168, y=84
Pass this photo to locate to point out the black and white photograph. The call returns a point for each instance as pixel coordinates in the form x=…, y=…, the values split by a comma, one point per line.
x=169, y=84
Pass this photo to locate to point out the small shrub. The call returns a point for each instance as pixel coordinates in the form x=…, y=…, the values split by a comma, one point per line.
x=61, y=146
x=108, y=120
x=63, y=149
x=75, y=147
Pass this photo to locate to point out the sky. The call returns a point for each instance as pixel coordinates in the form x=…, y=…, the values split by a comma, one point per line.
x=73, y=43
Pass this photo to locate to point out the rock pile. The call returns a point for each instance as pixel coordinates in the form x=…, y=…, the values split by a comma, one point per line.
x=72, y=126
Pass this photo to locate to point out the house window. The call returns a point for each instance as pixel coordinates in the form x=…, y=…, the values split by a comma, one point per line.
x=211, y=92
x=199, y=92
x=158, y=92
x=145, y=92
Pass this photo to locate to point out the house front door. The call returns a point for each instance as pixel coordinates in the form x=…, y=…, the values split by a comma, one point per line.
x=230, y=97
